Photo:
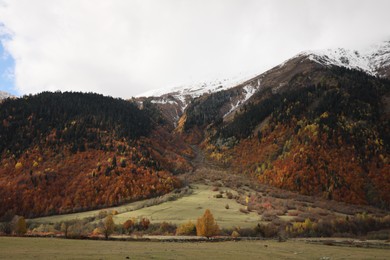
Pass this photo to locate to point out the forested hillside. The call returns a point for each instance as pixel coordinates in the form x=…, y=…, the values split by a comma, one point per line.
x=65, y=152
x=301, y=126
x=324, y=133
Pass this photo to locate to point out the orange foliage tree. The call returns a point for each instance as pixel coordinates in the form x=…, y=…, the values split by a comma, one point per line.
x=206, y=225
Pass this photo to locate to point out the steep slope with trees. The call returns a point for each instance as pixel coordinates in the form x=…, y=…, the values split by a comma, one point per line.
x=325, y=133
x=66, y=152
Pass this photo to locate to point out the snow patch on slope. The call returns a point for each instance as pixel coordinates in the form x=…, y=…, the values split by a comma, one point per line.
x=187, y=92
x=164, y=101
x=249, y=92
x=194, y=90
x=368, y=60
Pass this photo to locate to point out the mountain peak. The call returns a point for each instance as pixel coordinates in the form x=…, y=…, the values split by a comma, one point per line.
x=374, y=60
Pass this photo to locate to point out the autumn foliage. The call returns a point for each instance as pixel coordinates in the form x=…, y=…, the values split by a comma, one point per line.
x=206, y=225
x=107, y=226
x=19, y=225
x=186, y=229
x=60, y=158
x=329, y=138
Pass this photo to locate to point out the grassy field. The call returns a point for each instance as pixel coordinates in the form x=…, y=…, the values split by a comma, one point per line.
x=193, y=206
x=51, y=248
x=189, y=207
x=86, y=214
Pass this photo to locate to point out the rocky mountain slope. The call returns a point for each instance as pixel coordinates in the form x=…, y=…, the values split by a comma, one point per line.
x=374, y=60
x=311, y=126
x=173, y=101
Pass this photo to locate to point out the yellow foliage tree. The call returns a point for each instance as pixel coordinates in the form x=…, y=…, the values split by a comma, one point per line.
x=206, y=225
x=18, y=166
x=108, y=226
x=20, y=226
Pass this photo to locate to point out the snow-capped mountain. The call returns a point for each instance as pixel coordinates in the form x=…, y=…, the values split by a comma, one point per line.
x=182, y=95
x=374, y=60
x=173, y=101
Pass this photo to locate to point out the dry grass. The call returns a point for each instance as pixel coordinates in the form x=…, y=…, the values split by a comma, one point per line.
x=192, y=206
x=47, y=248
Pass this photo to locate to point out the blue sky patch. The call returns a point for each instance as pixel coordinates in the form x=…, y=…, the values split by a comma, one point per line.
x=7, y=65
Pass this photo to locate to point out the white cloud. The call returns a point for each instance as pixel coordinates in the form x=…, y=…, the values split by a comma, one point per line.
x=125, y=47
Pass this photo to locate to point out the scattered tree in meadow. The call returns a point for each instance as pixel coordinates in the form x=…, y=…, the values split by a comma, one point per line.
x=19, y=225
x=108, y=226
x=65, y=228
x=128, y=225
x=206, y=225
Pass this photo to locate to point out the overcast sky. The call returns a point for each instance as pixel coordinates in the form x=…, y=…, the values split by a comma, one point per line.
x=125, y=47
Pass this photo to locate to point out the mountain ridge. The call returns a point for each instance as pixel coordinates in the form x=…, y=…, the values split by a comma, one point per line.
x=374, y=60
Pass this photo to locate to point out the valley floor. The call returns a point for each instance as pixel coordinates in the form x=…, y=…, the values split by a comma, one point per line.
x=51, y=248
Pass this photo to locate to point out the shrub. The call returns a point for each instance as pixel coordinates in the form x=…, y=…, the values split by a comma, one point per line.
x=96, y=232
x=128, y=225
x=245, y=211
x=247, y=232
x=5, y=228
x=186, y=229
x=269, y=230
x=235, y=234
x=324, y=228
x=144, y=224
x=102, y=214
x=166, y=228
x=79, y=229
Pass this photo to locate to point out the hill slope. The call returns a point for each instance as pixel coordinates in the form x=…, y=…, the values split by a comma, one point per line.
x=317, y=124
x=311, y=126
x=65, y=152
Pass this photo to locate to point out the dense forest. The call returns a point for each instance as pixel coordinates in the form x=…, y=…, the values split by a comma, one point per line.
x=325, y=133
x=205, y=110
x=330, y=138
x=67, y=152
x=71, y=118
